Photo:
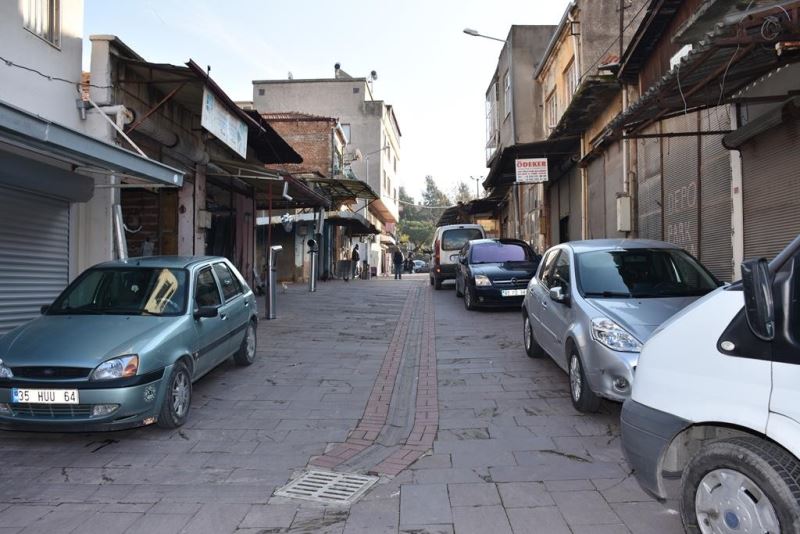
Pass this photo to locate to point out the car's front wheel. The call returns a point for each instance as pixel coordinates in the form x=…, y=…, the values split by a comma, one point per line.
x=247, y=351
x=583, y=398
x=532, y=348
x=178, y=399
x=469, y=298
x=742, y=484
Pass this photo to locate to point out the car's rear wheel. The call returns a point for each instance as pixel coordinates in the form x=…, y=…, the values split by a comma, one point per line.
x=744, y=485
x=583, y=398
x=532, y=348
x=247, y=351
x=459, y=293
x=178, y=399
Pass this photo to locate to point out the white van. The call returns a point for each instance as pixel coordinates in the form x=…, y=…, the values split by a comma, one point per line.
x=447, y=241
x=716, y=403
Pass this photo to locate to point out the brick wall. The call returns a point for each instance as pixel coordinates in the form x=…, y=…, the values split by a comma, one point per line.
x=311, y=138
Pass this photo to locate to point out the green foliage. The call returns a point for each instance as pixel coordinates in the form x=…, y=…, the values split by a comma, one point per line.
x=417, y=224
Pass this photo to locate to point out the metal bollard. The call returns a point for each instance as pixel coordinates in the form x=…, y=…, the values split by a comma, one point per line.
x=313, y=250
x=272, y=275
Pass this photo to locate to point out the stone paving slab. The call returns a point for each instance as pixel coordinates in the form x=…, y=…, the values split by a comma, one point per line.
x=482, y=438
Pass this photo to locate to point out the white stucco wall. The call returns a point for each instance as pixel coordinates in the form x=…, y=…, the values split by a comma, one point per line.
x=53, y=100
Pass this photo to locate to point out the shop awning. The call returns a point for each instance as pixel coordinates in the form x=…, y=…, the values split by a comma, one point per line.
x=460, y=213
x=341, y=190
x=503, y=170
x=734, y=54
x=269, y=187
x=356, y=223
x=33, y=133
x=185, y=85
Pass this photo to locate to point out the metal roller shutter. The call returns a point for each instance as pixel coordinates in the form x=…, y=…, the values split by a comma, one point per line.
x=716, y=247
x=613, y=186
x=34, y=254
x=680, y=155
x=597, y=201
x=575, y=205
x=771, y=190
x=649, y=182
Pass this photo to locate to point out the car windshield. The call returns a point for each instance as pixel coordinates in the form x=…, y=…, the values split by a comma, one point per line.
x=642, y=273
x=455, y=239
x=498, y=253
x=124, y=291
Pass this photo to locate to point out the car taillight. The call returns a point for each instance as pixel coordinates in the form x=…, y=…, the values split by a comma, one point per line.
x=437, y=252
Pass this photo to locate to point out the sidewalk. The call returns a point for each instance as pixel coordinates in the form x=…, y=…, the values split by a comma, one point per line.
x=386, y=377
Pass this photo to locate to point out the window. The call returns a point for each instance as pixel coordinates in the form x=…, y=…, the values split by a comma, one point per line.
x=491, y=121
x=207, y=292
x=125, y=291
x=551, y=110
x=570, y=81
x=230, y=284
x=499, y=253
x=507, y=85
x=346, y=129
x=43, y=18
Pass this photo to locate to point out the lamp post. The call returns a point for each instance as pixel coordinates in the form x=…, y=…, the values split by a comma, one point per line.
x=476, y=33
x=477, y=185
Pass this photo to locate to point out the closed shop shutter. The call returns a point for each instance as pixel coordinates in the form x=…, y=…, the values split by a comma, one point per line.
x=34, y=254
x=716, y=247
x=771, y=190
x=680, y=183
x=649, y=182
x=613, y=188
x=597, y=201
x=575, y=204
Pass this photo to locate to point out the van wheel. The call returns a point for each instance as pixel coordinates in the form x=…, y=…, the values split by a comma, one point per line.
x=583, y=398
x=532, y=348
x=742, y=484
x=247, y=352
x=431, y=279
x=437, y=283
x=178, y=398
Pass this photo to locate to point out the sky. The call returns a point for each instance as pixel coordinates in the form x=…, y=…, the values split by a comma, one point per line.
x=433, y=74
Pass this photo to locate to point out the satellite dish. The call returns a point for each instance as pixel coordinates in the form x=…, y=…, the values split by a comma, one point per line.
x=291, y=76
x=373, y=75
x=358, y=156
x=337, y=66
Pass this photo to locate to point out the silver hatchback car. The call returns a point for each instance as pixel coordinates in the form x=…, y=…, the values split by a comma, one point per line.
x=592, y=304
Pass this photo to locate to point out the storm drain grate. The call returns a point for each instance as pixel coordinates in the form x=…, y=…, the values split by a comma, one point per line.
x=327, y=487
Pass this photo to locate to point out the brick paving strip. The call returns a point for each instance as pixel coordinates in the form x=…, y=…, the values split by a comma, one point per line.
x=374, y=420
x=377, y=409
x=426, y=417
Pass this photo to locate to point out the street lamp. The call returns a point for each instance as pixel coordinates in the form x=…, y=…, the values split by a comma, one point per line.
x=476, y=33
x=477, y=185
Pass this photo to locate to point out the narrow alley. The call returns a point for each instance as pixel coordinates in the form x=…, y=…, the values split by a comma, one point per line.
x=381, y=377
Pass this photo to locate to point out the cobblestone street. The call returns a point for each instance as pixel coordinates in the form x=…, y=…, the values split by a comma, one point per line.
x=379, y=377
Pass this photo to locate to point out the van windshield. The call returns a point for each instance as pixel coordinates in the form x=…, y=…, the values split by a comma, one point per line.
x=456, y=238
x=642, y=273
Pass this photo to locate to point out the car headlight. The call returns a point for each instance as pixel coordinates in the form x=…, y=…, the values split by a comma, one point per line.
x=122, y=367
x=482, y=280
x=5, y=372
x=608, y=333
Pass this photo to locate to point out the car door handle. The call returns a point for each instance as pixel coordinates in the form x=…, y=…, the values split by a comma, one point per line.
x=223, y=316
x=246, y=304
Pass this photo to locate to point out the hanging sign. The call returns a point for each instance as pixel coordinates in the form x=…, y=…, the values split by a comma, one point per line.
x=225, y=126
x=531, y=170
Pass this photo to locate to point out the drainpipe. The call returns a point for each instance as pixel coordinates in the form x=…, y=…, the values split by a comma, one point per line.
x=625, y=179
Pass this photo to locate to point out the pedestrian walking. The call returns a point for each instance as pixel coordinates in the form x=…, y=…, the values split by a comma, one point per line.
x=397, y=259
x=354, y=258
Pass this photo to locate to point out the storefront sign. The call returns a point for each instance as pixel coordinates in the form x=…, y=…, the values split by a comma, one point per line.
x=532, y=170
x=225, y=126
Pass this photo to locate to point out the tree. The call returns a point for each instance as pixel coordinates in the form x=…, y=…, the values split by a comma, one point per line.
x=463, y=193
x=418, y=222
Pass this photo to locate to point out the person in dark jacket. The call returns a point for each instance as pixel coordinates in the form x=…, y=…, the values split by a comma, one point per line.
x=397, y=259
x=354, y=257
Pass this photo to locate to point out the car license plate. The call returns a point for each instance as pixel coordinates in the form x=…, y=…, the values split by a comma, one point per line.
x=513, y=292
x=45, y=396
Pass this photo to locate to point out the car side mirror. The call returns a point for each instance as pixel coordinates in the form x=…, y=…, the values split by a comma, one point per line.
x=759, y=307
x=44, y=308
x=206, y=312
x=557, y=295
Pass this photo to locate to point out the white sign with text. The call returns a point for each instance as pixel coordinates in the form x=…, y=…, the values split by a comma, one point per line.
x=532, y=170
x=223, y=124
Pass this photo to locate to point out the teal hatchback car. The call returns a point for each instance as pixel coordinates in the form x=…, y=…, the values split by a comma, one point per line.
x=122, y=345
